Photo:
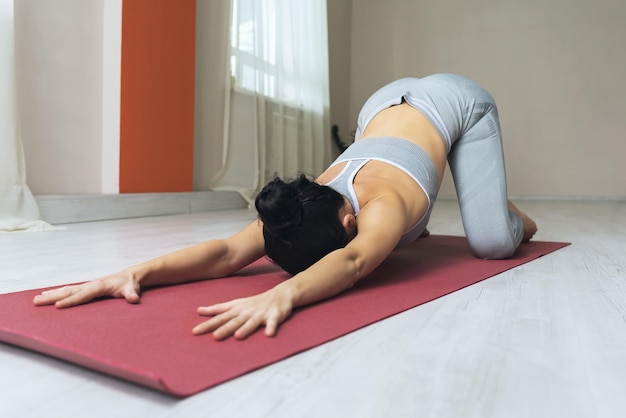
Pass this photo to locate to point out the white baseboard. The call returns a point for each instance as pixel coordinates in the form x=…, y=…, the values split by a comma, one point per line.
x=60, y=209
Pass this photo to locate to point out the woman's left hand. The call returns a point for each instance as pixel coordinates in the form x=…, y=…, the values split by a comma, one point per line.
x=241, y=317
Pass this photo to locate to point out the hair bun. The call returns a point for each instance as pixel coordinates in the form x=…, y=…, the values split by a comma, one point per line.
x=279, y=206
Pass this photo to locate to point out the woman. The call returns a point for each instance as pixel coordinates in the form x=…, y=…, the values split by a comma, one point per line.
x=376, y=196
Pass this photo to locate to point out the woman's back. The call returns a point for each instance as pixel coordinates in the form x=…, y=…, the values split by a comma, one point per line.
x=378, y=180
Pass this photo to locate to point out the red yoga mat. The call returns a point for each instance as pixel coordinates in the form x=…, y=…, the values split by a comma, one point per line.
x=151, y=343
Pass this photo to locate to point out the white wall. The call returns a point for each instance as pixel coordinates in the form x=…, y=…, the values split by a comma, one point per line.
x=339, y=50
x=111, y=93
x=212, y=53
x=556, y=69
x=59, y=74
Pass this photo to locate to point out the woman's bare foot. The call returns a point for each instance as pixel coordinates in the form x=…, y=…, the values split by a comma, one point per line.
x=530, y=227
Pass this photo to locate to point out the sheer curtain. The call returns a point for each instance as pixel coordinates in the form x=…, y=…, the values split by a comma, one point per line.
x=277, y=119
x=18, y=208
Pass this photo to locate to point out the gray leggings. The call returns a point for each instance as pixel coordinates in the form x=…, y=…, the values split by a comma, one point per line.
x=467, y=119
x=477, y=164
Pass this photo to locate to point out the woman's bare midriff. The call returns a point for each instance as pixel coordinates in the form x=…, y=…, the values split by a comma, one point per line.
x=406, y=122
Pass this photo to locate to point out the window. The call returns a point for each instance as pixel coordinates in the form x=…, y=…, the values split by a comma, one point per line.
x=272, y=45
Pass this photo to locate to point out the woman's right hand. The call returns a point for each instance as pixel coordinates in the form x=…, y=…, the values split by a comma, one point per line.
x=120, y=285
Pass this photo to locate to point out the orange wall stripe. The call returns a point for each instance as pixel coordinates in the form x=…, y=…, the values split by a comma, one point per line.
x=157, y=95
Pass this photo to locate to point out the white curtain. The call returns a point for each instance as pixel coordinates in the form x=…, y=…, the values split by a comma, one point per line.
x=277, y=118
x=18, y=208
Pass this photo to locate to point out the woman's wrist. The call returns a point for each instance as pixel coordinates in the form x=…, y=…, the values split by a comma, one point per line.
x=289, y=291
x=141, y=273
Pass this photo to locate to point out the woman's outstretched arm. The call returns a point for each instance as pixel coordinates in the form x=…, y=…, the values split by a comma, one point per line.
x=210, y=259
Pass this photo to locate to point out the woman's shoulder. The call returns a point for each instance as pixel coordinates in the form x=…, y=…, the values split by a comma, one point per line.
x=391, y=194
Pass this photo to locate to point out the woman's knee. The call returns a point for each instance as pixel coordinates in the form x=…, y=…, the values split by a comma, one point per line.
x=494, y=249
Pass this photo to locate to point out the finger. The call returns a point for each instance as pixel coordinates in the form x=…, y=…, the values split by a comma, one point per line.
x=76, y=297
x=131, y=297
x=214, y=310
x=200, y=329
x=131, y=294
x=204, y=327
x=229, y=328
x=212, y=324
x=49, y=297
x=270, y=327
x=247, y=328
x=83, y=293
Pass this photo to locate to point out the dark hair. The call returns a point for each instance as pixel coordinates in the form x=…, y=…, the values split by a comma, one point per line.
x=300, y=222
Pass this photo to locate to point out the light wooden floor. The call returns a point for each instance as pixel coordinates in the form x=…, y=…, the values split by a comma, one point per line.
x=547, y=339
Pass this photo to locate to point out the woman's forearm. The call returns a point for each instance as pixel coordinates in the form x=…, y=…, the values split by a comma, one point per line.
x=207, y=260
x=335, y=273
x=202, y=261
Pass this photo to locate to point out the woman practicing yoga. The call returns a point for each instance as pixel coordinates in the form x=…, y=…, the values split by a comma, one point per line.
x=376, y=196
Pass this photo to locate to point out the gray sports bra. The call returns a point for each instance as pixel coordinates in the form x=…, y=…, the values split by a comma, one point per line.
x=398, y=152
